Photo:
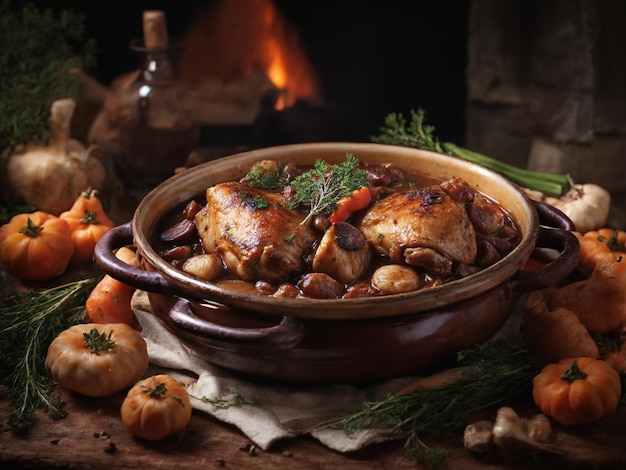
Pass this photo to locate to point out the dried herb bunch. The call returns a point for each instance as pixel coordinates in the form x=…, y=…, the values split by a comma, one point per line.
x=416, y=133
x=492, y=374
x=29, y=321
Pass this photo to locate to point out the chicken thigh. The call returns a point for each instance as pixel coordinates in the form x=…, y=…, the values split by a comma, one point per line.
x=427, y=228
x=255, y=235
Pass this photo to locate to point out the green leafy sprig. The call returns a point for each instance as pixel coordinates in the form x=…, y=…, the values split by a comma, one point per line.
x=29, y=321
x=416, y=133
x=39, y=54
x=493, y=373
x=321, y=187
x=267, y=176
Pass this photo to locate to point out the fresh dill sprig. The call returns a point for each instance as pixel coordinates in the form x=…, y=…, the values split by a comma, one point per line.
x=321, y=187
x=416, y=133
x=29, y=321
x=493, y=373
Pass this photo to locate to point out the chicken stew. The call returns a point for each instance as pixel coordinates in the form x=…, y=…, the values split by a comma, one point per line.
x=335, y=231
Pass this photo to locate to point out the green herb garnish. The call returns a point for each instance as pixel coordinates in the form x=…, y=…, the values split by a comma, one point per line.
x=493, y=373
x=233, y=398
x=419, y=135
x=97, y=342
x=321, y=187
x=29, y=321
x=38, y=60
x=267, y=176
x=260, y=202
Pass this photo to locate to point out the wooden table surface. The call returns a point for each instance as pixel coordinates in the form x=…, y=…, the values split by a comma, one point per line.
x=92, y=436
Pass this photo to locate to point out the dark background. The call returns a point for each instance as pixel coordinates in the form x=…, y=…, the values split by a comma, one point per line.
x=373, y=57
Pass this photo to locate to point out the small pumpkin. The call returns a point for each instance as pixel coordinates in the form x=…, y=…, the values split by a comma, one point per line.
x=577, y=390
x=156, y=407
x=598, y=243
x=88, y=223
x=36, y=246
x=97, y=360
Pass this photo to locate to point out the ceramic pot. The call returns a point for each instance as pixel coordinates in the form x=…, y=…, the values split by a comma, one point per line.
x=346, y=340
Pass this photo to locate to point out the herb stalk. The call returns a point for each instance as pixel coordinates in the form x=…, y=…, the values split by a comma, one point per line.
x=417, y=134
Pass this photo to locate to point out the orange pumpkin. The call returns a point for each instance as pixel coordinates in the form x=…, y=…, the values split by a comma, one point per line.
x=577, y=390
x=598, y=243
x=156, y=407
x=36, y=246
x=97, y=360
x=88, y=223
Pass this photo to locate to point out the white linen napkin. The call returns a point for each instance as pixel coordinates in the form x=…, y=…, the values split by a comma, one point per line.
x=266, y=412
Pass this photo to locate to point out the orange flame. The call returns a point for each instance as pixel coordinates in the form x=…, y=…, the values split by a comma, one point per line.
x=240, y=37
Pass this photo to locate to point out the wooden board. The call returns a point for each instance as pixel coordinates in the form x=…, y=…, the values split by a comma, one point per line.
x=92, y=436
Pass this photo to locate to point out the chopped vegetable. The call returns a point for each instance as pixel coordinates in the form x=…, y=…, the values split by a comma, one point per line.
x=577, y=390
x=321, y=187
x=346, y=206
x=418, y=135
x=97, y=360
x=156, y=407
x=36, y=246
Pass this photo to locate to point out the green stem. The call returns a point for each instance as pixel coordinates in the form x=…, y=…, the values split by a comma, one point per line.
x=548, y=183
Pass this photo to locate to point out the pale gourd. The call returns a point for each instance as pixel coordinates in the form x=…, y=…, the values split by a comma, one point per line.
x=50, y=177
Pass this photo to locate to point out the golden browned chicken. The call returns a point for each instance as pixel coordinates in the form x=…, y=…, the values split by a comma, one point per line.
x=255, y=235
x=343, y=253
x=427, y=228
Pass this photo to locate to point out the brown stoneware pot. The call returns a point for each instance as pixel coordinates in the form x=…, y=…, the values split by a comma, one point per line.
x=339, y=340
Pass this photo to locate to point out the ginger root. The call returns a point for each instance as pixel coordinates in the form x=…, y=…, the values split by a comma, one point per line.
x=510, y=433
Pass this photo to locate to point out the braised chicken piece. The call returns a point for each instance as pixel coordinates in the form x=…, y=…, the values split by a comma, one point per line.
x=427, y=228
x=343, y=253
x=252, y=232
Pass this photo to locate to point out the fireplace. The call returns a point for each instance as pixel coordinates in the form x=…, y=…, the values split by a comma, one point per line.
x=370, y=59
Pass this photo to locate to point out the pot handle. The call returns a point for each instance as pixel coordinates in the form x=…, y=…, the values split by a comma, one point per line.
x=285, y=335
x=550, y=216
x=104, y=256
x=559, y=238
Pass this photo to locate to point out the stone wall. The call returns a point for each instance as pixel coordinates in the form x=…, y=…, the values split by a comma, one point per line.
x=547, y=87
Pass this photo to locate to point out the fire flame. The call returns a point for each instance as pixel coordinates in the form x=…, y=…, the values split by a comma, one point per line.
x=242, y=37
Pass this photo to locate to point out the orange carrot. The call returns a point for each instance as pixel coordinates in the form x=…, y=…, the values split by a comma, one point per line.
x=109, y=301
x=346, y=206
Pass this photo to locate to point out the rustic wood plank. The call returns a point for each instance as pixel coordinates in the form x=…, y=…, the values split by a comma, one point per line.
x=92, y=436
